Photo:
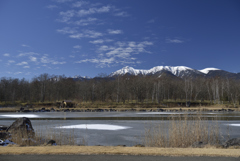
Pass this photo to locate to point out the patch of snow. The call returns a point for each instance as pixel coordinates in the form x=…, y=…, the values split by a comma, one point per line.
x=79, y=76
x=207, y=70
x=234, y=124
x=95, y=127
x=6, y=142
x=158, y=113
x=21, y=115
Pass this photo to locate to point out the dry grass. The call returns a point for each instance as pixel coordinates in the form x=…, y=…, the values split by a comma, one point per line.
x=74, y=150
x=183, y=132
x=43, y=135
x=121, y=107
x=61, y=136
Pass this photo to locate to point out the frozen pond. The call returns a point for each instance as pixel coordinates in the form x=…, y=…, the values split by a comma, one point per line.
x=118, y=115
x=114, y=128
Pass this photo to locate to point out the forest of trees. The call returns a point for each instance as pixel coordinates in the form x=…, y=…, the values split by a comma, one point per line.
x=147, y=89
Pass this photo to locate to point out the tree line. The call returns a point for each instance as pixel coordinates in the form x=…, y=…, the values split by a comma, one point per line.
x=142, y=89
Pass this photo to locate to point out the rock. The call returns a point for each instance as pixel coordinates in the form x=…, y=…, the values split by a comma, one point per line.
x=42, y=110
x=3, y=128
x=1, y=143
x=67, y=110
x=22, y=108
x=199, y=144
x=160, y=110
x=51, y=142
x=21, y=129
x=26, y=111
x=4, y=135
x=232, y=142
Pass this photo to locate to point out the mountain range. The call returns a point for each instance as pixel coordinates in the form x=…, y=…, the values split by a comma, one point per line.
x=177, y=71
x=169, y=71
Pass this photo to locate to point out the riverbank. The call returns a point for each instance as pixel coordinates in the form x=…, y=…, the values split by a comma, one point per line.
x=138, y=108
x=115, y=150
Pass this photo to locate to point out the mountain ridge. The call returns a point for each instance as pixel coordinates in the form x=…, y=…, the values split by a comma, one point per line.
x=179, y=71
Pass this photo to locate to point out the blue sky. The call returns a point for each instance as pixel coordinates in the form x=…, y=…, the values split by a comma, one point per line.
x=73, y=37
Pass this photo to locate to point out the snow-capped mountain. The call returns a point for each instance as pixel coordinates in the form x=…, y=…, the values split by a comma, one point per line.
x=179, y=71
x=207, y=70
x=78, y=77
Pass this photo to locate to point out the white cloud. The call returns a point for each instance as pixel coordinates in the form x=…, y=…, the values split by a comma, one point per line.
x=151, y=21
x=27, y=54
x=22, y=63
x=11, y=61
x=120, y=53
x=77, y=47
x=57, y=62
x=32, y=58
x=100, y=62
x=24, y=45
x=79, y=4
x=6, y=54
x=45, y=59
x=99, y=41
x=26, y=67
x=66, y=16
x=174, y=41
x=63, y=1
x=122, y=14
x=51, y=6
x=108, y=40
x=85, y=22
x=67, y=30
x=114, y=31
x=86, y=34
x=90, y=11
x=104, y=48
x=16, y=73
x=72, y=56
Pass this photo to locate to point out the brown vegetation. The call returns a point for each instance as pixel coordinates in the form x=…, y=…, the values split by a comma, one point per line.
x=183, y=132
x=76, y=150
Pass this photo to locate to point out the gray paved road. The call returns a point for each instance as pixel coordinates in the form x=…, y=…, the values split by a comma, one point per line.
x=107, y=158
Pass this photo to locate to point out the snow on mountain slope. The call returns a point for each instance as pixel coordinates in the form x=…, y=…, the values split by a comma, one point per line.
x=178, y=70
x=174, y=70
x=207, y=70
x=81, y=77
x=129, y=70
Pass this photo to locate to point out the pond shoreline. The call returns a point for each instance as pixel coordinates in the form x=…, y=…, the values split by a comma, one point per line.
x=138, y=109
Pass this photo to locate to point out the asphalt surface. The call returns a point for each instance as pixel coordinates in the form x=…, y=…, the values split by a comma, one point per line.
x=108, y=158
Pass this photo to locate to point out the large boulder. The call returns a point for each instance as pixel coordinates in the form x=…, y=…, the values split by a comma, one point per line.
x=21, y=129
x=232, y=142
